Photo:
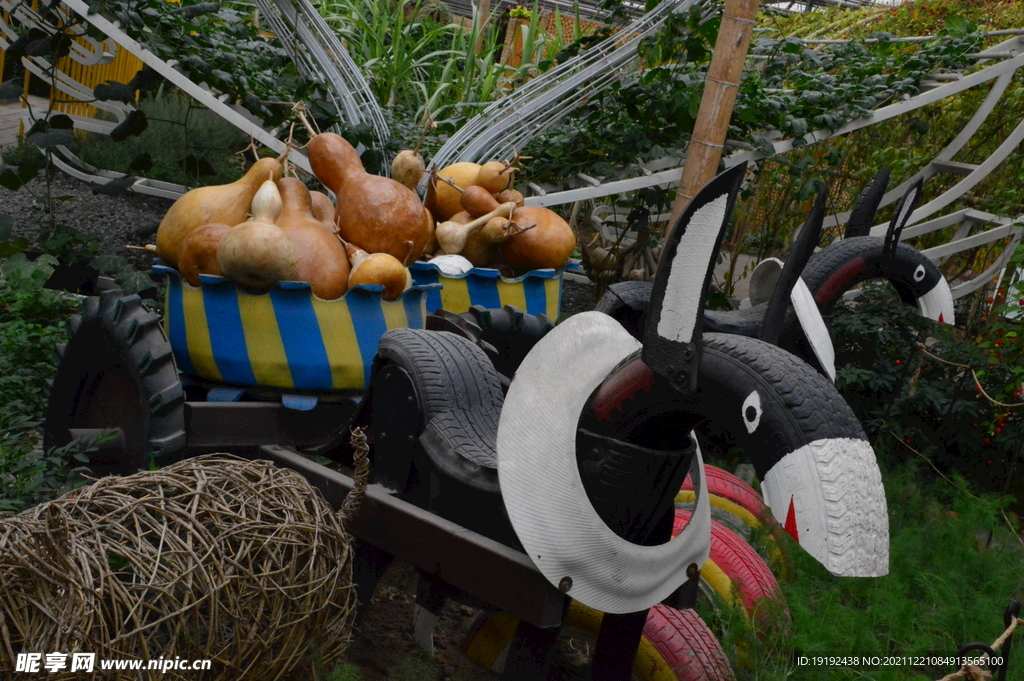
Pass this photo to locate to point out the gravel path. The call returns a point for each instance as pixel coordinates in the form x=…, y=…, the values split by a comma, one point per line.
x=115, y=221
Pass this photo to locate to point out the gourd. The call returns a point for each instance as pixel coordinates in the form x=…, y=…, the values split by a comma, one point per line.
x=380, y=269
x=323, y=210
x=375, y=213
x=198, y=252
x=322, y=260
x=257, y=253
x=495, y=176
x=544, y=240
x=477, y=201
x=443, y=200
x=227, y=203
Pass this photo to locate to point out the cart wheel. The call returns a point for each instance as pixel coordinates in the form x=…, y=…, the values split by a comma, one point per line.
x=117, y=374
x=455, y=397
x=676, y=644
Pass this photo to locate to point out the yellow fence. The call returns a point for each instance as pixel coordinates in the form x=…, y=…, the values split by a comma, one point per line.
x=122, y=69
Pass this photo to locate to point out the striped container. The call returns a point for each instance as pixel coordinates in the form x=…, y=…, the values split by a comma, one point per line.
x=537, y=292
x=286, y=339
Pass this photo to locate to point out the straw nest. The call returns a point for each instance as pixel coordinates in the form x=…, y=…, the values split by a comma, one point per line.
x=218, y=558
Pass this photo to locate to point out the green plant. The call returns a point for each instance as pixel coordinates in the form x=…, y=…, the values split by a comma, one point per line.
x=31, y=323
x=183, y=143
x=31, y=476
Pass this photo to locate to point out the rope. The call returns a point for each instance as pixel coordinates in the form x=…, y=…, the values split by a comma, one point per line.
x=975, y=673
x=361, y=452
x=981, y=388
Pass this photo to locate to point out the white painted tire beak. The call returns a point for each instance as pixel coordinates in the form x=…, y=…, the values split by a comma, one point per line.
x=829, y=495
x=937, y=304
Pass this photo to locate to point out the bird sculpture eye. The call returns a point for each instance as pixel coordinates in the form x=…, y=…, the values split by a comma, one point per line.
x=752, y=411
x=919, y=273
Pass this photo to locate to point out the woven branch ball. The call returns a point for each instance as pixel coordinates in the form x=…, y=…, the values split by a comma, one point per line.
x=218, y=558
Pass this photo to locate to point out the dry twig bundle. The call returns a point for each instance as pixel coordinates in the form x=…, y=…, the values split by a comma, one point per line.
x=216, y=557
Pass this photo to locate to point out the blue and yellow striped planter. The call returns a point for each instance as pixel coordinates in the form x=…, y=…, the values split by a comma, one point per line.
x=288, y=338
x=536, y=292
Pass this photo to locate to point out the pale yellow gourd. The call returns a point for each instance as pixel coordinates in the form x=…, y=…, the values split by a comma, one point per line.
x=257, y=253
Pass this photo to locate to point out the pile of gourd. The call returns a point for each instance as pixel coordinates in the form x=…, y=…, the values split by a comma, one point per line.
x=265, y=228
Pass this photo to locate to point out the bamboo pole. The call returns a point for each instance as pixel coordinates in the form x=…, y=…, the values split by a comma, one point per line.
x=483, y=11
x=709, y=132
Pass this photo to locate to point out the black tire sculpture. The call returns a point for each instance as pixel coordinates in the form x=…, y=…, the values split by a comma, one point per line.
x=117, y=374
x=840, y=266
x=795, y=428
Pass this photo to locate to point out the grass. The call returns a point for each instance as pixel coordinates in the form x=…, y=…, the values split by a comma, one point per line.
x=955, y=563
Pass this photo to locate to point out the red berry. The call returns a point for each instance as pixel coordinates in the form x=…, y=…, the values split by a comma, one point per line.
x=986, y=442
x=898, y=362
x=999, y=342
x=977, y=388
x=990, y=301
x=989, y=462
x=998, y=430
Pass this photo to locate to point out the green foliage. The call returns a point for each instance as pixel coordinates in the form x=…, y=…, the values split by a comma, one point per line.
x=30, y=476
x=31, y=323
x=183, y=143
x=953, y=568
x=923, y=402
x=223, y=46
x=422, y=66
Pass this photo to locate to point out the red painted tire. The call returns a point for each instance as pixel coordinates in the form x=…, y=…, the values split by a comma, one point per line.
x=676, y=645
x=686, y=644
x=740, y=508
x=727, y=486
x=735, y=571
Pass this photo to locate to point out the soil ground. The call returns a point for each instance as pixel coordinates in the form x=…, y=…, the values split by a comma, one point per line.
x=383, y=648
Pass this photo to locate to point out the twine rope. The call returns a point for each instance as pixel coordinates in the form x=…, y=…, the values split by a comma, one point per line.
x=975, y=673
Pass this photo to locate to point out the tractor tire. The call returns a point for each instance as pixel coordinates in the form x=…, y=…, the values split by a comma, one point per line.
x=117, y=372
x=676, y=644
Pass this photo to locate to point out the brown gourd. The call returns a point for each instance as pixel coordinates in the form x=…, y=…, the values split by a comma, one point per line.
x=322, y=260
x=198, y=252
x=443, y=200
x=544, y=240
x=227, y=203
x=478, y=201
x=375, y=213
x=379, y=269
x=257, y=253
x=323, y=209
x=495, y=176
